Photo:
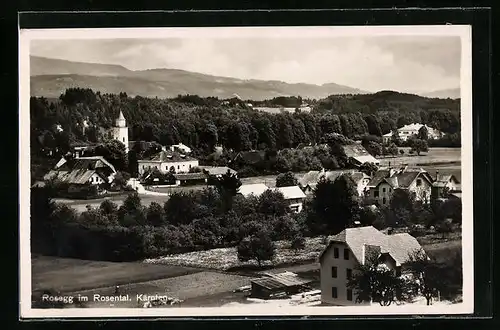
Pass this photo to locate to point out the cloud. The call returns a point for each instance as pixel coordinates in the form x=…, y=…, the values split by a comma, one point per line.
x=375, y=63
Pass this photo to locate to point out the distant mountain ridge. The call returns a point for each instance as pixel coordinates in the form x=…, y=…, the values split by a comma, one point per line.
x=50, y=77
x=452, y=93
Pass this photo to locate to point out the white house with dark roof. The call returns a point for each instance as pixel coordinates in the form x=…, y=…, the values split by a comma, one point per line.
x=167, y=161
x=309, y=181
x=84, y=170
x=358, y=246
x=407, y=131
x=445, y=182
x=385, y=181
x=294, y=197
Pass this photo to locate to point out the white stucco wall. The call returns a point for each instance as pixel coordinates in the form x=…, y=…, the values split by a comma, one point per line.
x=340, y=282
x=180, y=167
x=96, y=179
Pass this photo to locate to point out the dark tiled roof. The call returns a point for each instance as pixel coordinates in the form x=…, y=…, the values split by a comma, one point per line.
x=354, y=150
x=251, y=157
x=279, y=281
x=398, y=246
x=217, y=170
x=169, y=157
x=80, y=170
x=405, y=179
x=378, y=177
x=190, y=176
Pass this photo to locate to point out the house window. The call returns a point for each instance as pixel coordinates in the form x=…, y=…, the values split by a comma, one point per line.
x=349, y=294
x=178, y=167
x=336, y=253
x=346, y=254
x=383, y=201
x=375, y=193
x=419, y=182
x=124, y=140
x=189, y=165
x=383, y=190
x=348, y=273
x=334, y=272
x=334, y=292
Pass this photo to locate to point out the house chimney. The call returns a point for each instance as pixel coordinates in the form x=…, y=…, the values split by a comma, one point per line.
x=390, y=231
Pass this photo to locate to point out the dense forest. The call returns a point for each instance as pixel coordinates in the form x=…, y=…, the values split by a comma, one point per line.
x=82, y=115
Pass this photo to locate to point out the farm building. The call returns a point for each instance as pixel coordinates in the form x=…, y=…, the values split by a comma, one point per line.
x=309, y=181
x=217, y=171
x=294, y=197
x=189, y=179
x=167, y=161
x=358, y=155
x=255, y=189
x=275, y=285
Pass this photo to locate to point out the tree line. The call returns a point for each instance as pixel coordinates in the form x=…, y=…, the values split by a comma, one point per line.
x=219, y=217
x=84, y=115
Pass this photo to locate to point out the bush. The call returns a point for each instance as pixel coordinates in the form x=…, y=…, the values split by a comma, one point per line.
x=298, y=243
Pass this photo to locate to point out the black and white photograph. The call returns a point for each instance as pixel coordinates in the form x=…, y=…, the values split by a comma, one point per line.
x=246, y=171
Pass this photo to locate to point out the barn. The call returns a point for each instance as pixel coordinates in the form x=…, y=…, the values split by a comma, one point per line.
x=276, y=285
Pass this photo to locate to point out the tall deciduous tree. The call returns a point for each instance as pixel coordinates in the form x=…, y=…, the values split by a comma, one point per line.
x=428, y=277
x=258, y=247
x=373, y=282
x=286, y=179
x=228, y=186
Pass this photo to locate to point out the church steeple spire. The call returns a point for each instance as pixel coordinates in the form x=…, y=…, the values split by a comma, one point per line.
x=121, y=122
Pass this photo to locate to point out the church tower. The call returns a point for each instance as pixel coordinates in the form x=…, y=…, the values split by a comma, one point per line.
x=120, y=131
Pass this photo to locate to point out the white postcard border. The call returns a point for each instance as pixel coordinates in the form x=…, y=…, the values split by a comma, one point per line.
x=462, y=31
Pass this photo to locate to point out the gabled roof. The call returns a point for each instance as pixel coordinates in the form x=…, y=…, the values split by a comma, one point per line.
x=399, y=179
x=312, y=178
x=251, y=157
x=281, y=280
x=77, y=176
x=256, y=189
x=443, y=179
x=378, y=178
x=168, y=157
x=190, y=176
x=217, y=170
x=398, y=246
x=292, y=192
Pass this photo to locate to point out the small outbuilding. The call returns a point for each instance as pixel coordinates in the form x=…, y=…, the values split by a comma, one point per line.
x=278, y=285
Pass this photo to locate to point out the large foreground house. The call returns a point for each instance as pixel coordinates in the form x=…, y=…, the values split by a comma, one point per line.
x=82, y=171
x=385, y=181
x=355, y=246
x=167, y=161
x=309, y=181
x=410, y=130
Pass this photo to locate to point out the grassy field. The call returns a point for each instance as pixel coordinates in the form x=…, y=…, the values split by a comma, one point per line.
x=64, y=274
x=201, y=286
x=434, y=156
x=227, y=259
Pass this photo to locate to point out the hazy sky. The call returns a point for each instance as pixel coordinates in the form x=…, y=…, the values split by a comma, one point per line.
x=370, y=63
